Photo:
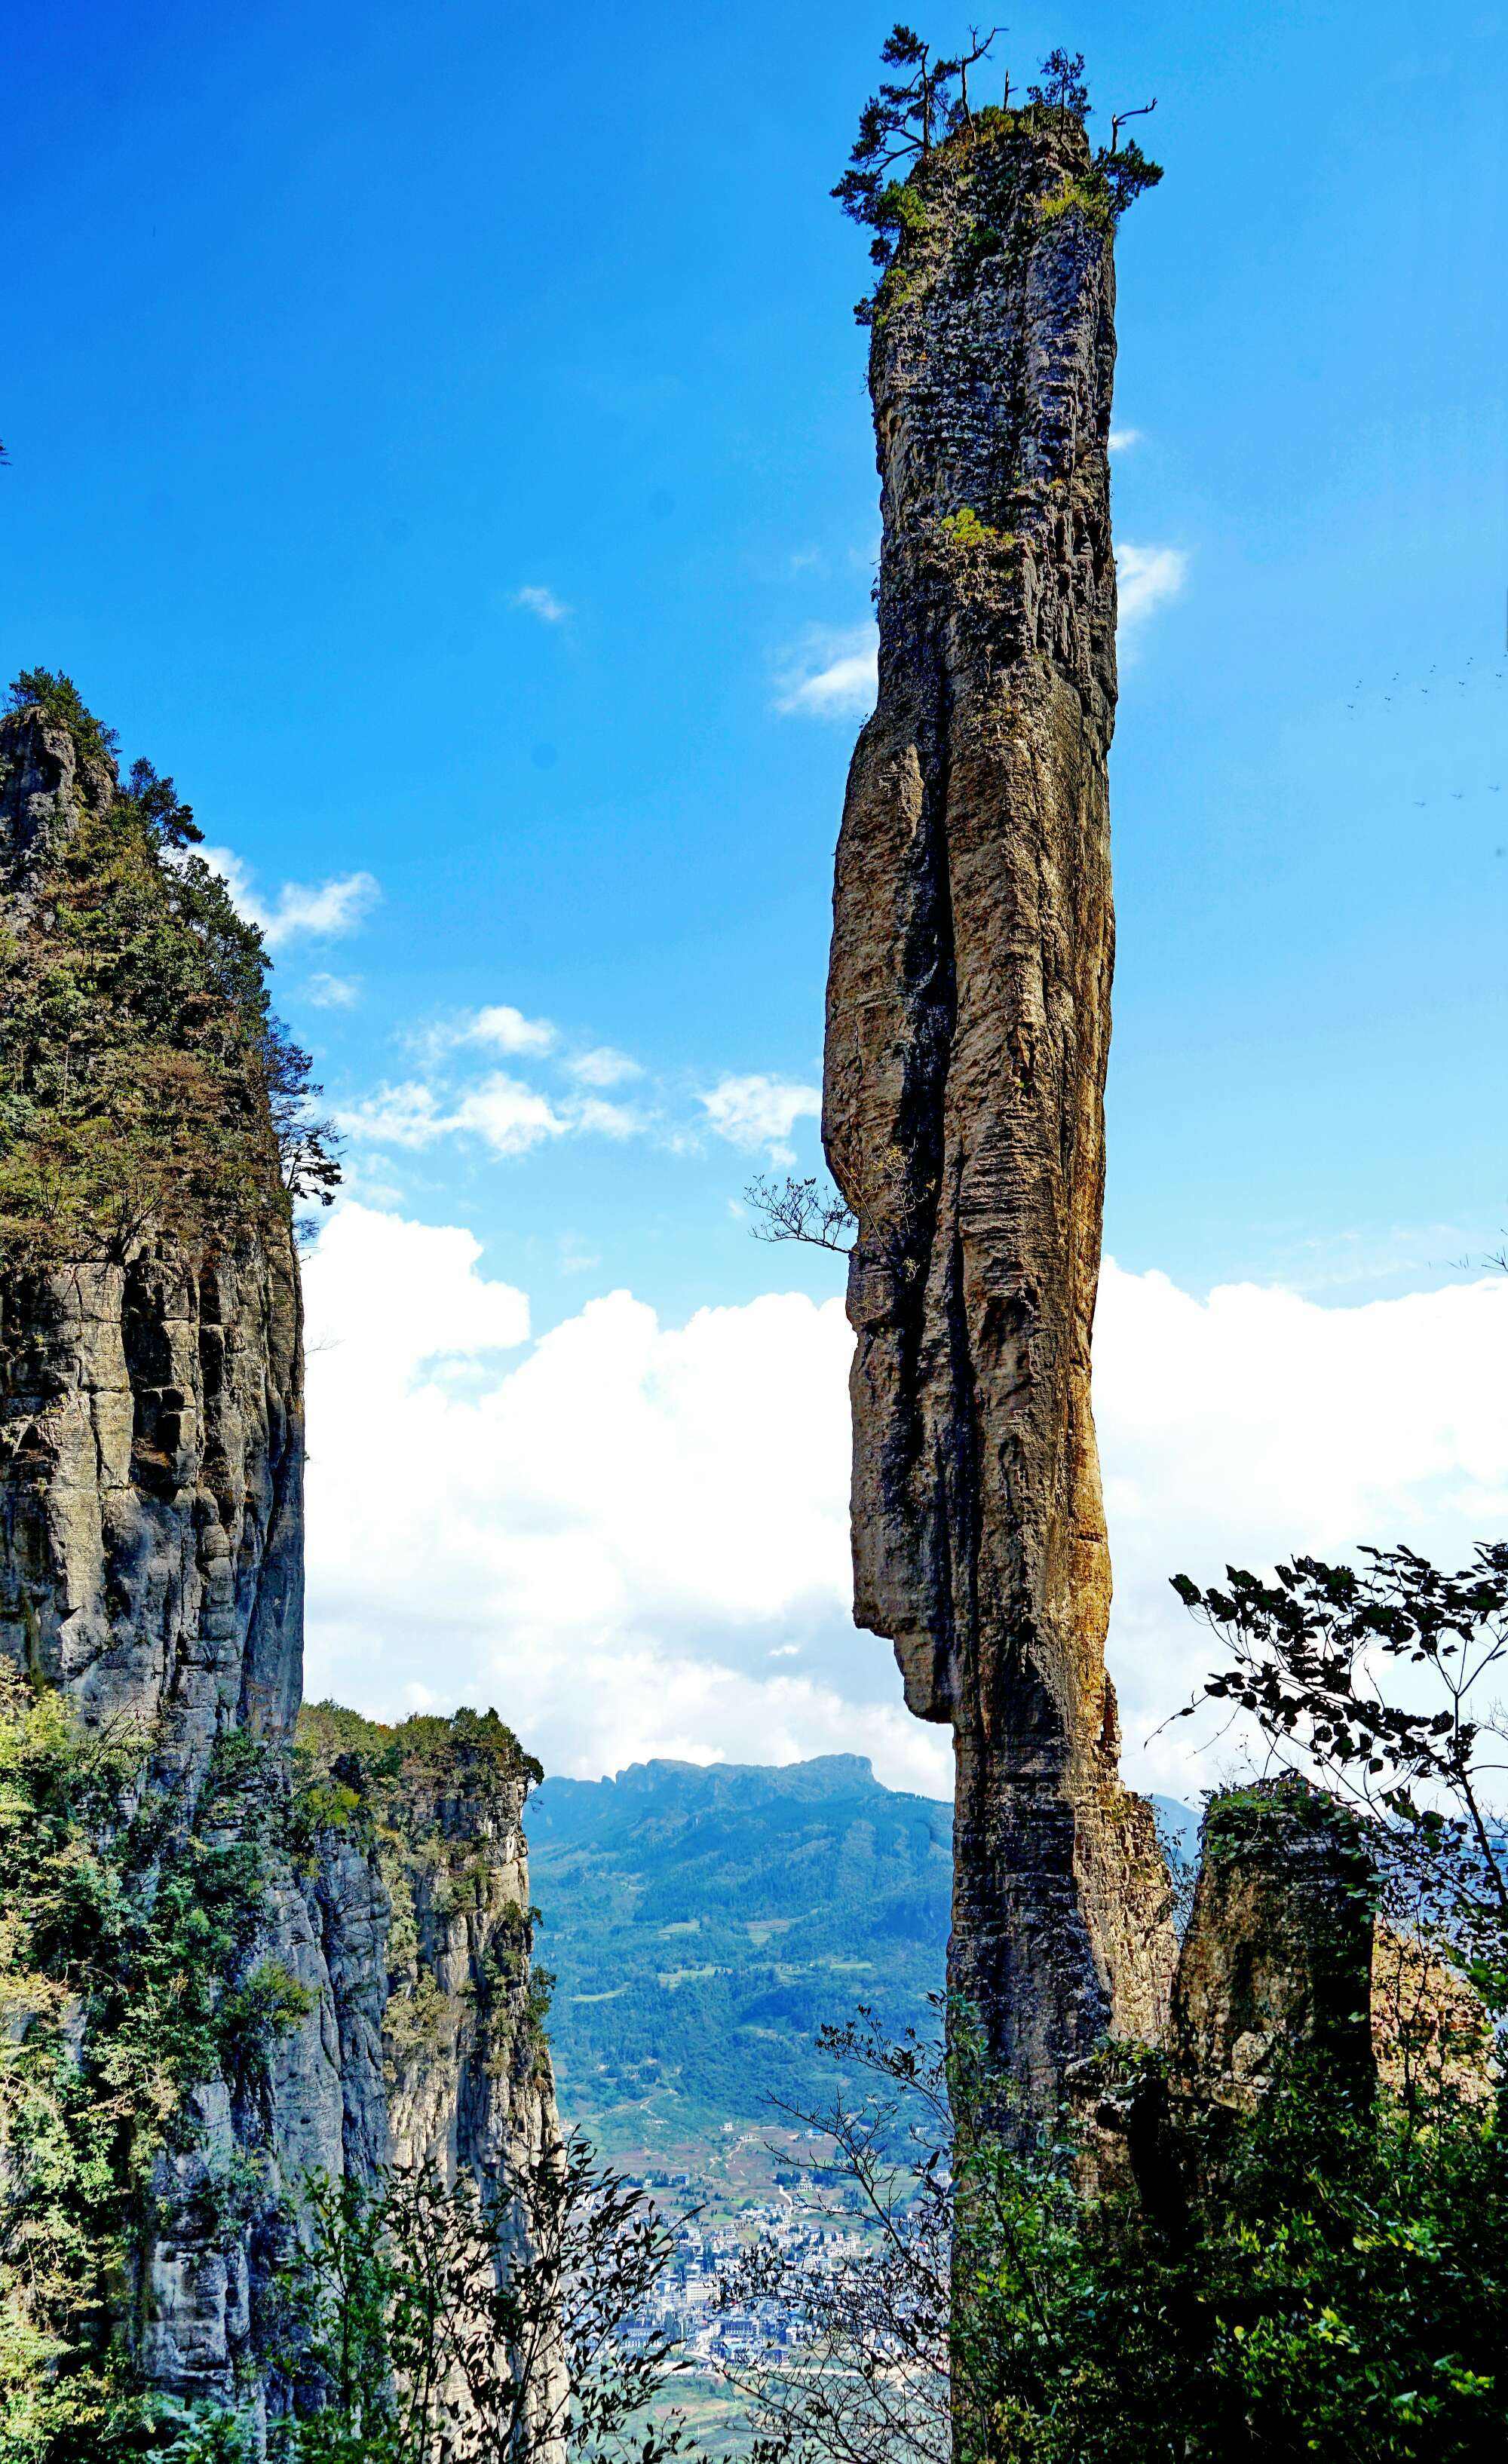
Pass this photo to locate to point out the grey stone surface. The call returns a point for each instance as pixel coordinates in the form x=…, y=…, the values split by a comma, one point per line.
x=152, y=1566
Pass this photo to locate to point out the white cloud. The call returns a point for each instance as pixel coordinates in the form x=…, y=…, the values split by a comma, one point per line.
x=320, y=912
x=1121, y=439
x=632, y=1538
x=508, y=1115
x=1236, y=1429
x=505, y=1029
x=332, y=992
x=593, y=1113
x=498, y=1028
x=1147, y=578
x=405, y=1116
x=542, y=603
x=603, y=1067
x=832, y=672
x=757, y=1111
x=606, y=1539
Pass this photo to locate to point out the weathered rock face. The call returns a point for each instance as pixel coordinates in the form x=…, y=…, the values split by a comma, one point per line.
x=1276, y=1966
x=1276, y=1986
x=467, y=2070
x=151, y=1462
x=969, y=1019
x=151, y=1568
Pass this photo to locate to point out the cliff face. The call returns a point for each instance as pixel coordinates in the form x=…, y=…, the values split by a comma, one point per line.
x=968, y=1020
x=1276, y=1965
x=151, y=1569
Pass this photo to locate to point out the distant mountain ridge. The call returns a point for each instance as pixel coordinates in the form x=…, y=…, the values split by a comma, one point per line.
x=705, y=1920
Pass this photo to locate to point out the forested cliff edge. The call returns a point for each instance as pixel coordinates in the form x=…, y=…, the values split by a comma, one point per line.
x=241, y=1953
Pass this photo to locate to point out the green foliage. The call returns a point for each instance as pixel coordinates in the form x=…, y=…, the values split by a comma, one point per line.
x=143, y=1081
x=202, y=2433
x=472, y=1743
x=1341, y=2293
x=421, y=2318
x=59, y=697
x=913, y=120
x=1062, y=87
x=1313, y=1658
x=1335, y=2288
x=965, y=530
x=1083, y=196
x=126, y=1977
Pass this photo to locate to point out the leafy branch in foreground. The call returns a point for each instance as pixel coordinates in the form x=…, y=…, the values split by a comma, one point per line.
x=422, y=2318
x=1311, y=1657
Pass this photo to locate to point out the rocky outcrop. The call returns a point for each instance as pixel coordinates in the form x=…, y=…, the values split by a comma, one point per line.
x=1275, y=1968
x=1276, y=1989
x=151, y=1466
x=151, y=1570
x=968, y=1021
x=467, y=2066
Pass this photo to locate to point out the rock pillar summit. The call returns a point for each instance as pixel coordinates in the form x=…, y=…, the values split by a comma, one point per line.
x=968, y=1022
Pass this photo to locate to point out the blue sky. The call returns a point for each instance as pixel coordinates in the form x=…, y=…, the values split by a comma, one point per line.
x=342, y=326
x=439, y=438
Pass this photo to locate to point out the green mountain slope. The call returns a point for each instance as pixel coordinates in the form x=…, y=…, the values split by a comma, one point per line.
x=702, y=1924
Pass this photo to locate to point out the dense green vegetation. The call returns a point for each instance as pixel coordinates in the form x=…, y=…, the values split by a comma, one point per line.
x=129, y=1972
x=1318, y=2278
x=327, y=1732
x=144, y=1080
x=1340, y=2292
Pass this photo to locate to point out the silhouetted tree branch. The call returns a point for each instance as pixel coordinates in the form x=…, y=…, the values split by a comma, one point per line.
x=800, y=1210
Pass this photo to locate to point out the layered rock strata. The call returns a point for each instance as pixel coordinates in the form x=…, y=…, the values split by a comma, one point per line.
x=151, y=1569
x=968, y=1021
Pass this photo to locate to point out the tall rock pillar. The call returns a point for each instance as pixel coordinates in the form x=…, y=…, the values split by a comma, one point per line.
x=968, y=1020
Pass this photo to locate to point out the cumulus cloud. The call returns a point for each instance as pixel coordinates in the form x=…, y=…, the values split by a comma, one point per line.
x=509, y=1117
x=1241, y=1427
x=505, y=1029
x=603, y=1067
x=757, y=1111
x=595, y=1113
x=831, y=672
x=542, y=603
x=1121, y=439
x=498, y=1028
x=405, y=1116
x=332, y=992
x=633, y=1536
x=321, y=911
x=1147, y=578
x=608, y=1537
